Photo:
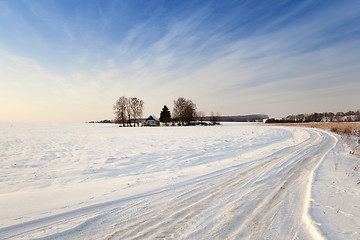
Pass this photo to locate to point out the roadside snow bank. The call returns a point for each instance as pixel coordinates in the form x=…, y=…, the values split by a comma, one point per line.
x=336, y=194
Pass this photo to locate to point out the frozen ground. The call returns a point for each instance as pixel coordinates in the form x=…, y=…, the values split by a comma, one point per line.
x=236, y=181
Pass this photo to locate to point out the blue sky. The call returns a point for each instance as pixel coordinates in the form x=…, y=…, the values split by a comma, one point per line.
x=70, y=60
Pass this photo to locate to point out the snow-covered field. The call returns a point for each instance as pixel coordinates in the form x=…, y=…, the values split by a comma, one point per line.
x=235, y=181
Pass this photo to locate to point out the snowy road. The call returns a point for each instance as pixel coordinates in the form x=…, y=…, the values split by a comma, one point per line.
x=264, y=193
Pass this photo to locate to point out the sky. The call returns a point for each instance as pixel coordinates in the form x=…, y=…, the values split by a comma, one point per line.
x=69, y=61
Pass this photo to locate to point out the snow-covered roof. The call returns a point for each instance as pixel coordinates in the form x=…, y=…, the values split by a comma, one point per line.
x=152, y=117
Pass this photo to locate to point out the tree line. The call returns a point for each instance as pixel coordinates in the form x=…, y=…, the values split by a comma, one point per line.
x=350, y=116
x=128, y=112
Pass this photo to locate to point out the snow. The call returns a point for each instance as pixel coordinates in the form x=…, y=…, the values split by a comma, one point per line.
x=337, y=211
x=236, y=181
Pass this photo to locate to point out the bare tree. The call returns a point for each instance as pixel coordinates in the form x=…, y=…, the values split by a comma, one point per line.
x=184, y=110
x=300, y=118
x=179, y=106
x=214, y=118
x=339, y=116
x=128, y=112
x=201, y=116
x=136, y=108
x=357, y=114
x=120, y=110
x=290, y=118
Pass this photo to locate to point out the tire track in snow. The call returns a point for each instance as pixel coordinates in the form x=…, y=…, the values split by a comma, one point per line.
x=252, y=220
x=198, y=201
x=263, y=199
x=308, y=220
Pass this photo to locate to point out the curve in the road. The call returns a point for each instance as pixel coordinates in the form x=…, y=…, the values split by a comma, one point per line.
x=268, y=198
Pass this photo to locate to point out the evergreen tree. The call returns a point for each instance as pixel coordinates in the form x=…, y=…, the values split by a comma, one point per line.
x=165, y=115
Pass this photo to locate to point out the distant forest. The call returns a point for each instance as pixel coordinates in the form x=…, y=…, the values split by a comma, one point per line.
x=240, y=118
x=350, y=116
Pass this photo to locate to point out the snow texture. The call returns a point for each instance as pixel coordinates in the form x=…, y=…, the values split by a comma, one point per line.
x=235, y=181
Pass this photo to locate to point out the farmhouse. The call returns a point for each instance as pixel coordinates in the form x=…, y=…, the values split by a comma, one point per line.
x=151, y=121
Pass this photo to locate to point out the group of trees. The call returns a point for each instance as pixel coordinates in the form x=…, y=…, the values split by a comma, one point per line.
x=128, y=110
x=350, y=116
x=183, y=113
